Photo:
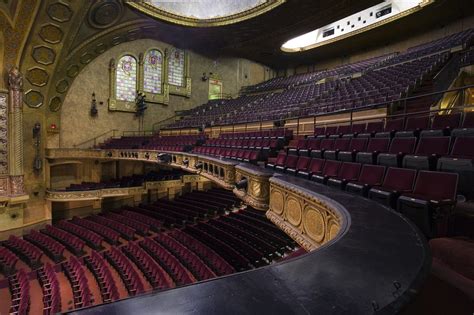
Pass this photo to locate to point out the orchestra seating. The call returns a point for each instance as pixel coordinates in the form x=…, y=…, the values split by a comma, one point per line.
x=144, y=250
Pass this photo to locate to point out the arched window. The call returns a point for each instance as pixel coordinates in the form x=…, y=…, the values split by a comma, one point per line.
x=153, y=71
x=176, y=67
x=126, y=79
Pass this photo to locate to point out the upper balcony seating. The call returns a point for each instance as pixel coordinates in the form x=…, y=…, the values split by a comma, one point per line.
x=461, y=161
x=371, y=129
x=51, y=290
x=391, y=127
x=431, y=202
x=347, y=173
x=370, y=176
x=125, y=269
x=326, y=144
x=74, y=270
x=414, y=126
x=374, y=148
x=19, y=285
x=396, y=182
x=73, y=243
x=8, y=261
x=280, y=161
x=103, y=275
x=442, y=125
x=315, y=168
x=301, y=165
x=357, y=145
x=53, y=248
x=27, y=251
x=428, y=151
x=330, y=169
x=467, y=127
x=290, y=162
x=312, y=144
x=341, y=144
x=157, y=277
x=399, y=147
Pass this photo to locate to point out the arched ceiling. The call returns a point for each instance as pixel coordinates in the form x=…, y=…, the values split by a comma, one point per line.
x=204, y=13
x=67, y=35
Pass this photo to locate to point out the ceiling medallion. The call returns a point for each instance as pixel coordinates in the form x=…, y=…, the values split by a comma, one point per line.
x=198, y=14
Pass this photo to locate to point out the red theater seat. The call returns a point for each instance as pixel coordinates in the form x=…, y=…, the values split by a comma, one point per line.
x=370, y=176
x=396, y=182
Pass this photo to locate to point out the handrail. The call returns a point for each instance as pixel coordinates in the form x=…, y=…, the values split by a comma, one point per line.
x=137, y=133
x=94, y=140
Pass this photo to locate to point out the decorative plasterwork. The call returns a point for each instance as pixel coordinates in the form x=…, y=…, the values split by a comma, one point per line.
x=161, y=14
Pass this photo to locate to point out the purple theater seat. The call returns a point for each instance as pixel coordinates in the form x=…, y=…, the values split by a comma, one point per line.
x=290, y=162
x=341, y=144
x=442, y=125
x=427, y=153
x=372, y=128
x=391, y=127
x=341, y=130
x=315, y=167
x=431, y=202
x=331, y=169
x=467, y=127
x=398, y=149
x=370, y=176
x=326, y=144
x=356, y=145
x=280, y=161
x=414, y=126
x=374, y=148
x=348, y=172
x=356, y=129
x=397, y=181
x=320, y=132
x=301, y=165
x=312, y=144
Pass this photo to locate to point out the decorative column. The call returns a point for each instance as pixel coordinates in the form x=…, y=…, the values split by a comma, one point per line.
x=15, y=132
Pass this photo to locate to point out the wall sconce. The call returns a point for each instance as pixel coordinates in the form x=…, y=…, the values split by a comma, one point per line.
x=94, y=110
x=205, y=76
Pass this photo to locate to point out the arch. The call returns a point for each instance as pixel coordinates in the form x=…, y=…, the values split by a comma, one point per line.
x=153, y=71
x=126, y=78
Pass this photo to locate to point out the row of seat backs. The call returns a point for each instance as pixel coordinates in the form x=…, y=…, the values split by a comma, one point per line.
x=463, y=147
x=437, y=122
x=434, y=185
x=258, y=134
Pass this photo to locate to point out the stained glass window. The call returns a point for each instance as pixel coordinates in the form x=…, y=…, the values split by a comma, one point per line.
x=126, y=79
x=176, y=65
x=153, y=65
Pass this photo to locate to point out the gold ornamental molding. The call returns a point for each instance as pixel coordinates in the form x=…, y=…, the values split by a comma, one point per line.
x=309, y=218
x=160, y=14
x=257, y=194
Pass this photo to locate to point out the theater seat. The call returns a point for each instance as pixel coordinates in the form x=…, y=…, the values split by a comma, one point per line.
x=374, y=148
x=371, y=129
x=326, y=144
x=391, y=127
x=290, y=162
x=331, y=169
x=356, y=145
x=370, y=176
x=312, y=144
x=414, y=126
x=442, y=125
x=430, y=204
x=461, y=161
x=467, y=128
x=347, y=173
x=398, y=149
x=301, y=165
x=397, y=181
x=339, y=145
x=427, y=153
x=280, y=161
x=315, y=168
